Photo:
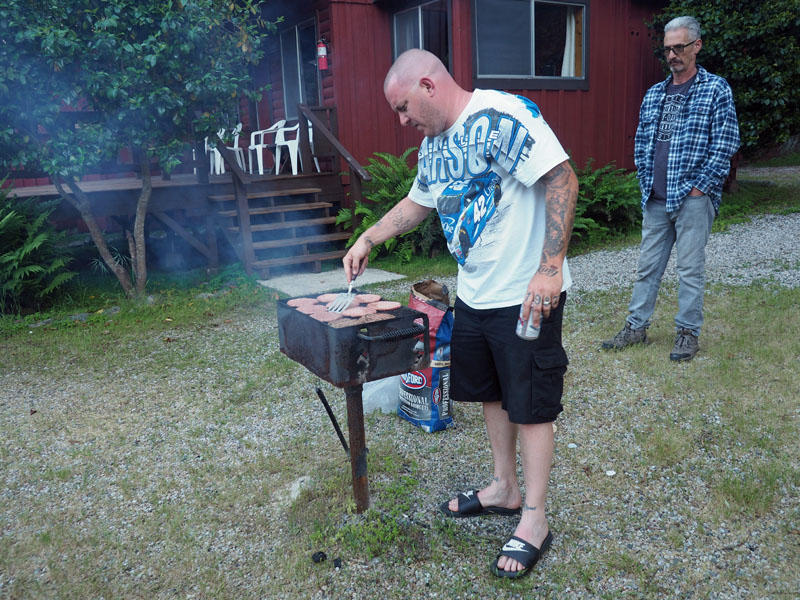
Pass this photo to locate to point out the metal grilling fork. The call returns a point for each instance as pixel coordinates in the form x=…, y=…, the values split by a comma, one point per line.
x=342, y=301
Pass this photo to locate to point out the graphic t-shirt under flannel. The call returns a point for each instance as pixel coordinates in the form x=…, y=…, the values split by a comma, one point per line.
x=670, y=119
x=481, y=175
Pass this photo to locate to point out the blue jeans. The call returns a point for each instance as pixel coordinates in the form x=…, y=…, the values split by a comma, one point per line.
x=688, y=230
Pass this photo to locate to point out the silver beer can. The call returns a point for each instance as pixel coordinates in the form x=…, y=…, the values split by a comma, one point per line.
x=525, y=329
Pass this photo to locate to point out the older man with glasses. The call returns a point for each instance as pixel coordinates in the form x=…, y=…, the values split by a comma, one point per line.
x=686, y=136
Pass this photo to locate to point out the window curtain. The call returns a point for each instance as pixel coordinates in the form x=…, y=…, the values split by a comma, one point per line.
x=568, y=64
x=406, y=31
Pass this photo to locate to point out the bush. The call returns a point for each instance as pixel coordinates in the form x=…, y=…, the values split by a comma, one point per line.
x=33, y=255
x=609, y=202
x=392, y=178
x=755, y=45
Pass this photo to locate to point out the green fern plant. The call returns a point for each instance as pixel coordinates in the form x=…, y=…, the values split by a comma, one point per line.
x=98, y=265
x=392, y=178
x=608, y=202
x=33, y=255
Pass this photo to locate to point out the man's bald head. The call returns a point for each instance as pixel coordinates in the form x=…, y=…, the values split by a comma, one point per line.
x=411, y=66
x=422, y=92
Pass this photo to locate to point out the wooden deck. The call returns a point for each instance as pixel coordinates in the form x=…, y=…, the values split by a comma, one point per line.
x=120, y=184
x=281, y=220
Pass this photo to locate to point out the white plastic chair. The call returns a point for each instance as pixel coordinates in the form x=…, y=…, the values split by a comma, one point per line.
x=291, y=146
x=281, y=141
x=236, y=149
x=259, y=142
x=216, y=165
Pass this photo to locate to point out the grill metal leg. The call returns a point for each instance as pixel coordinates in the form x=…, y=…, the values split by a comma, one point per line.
x=358, y=449
x=332, y=417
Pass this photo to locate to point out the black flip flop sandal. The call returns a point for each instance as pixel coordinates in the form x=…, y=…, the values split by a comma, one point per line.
x=524, y=553
x=470, y=506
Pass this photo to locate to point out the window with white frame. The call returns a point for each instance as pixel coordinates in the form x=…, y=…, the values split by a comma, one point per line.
x=423, y=26
x=535, y=43
x=299, y=67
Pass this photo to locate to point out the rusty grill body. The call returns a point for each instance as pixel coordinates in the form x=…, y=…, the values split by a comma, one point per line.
x=347, y=356
x=353, y=354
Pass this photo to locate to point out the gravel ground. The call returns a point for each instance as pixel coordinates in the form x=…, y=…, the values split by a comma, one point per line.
x=764, y=249
x=151, y=472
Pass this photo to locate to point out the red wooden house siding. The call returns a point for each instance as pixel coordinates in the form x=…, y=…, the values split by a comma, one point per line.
x=360, y=52
x=597, y=123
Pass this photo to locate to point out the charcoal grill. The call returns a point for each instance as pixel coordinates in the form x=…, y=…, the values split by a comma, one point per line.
x=350, y=355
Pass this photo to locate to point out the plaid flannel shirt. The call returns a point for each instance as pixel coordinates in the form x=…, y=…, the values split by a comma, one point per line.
x=702, y=145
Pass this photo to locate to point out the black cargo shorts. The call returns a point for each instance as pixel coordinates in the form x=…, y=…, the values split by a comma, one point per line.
x=490, y=363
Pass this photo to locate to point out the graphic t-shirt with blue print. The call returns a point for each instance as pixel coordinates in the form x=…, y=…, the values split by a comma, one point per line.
x=482, y=176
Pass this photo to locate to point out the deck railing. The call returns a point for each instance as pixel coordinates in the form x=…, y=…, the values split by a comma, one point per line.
x=325, y=138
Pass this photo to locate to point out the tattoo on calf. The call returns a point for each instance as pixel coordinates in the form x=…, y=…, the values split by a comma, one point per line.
x=526, y=507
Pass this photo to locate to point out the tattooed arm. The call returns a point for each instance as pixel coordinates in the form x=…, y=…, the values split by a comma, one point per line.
x=404, y=216
x=561, y=195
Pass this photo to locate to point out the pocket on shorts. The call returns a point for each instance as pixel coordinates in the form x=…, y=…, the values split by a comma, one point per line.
x=549, y=367
x=551, y=359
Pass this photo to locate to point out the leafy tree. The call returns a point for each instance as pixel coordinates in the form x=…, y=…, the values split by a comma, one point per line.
x=755, y=45
x=153, y=75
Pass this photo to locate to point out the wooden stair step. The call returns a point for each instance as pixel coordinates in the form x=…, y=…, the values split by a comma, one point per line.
x=294, y=260
x=266, y=210
x=312, y=239
x=287, y=224
x=267, y=194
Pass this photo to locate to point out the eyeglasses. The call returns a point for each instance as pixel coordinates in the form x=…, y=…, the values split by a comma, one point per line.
x=677, y=48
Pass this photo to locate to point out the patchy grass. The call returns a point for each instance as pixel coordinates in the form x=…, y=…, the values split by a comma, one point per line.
x=168, y=449
x=164, y=469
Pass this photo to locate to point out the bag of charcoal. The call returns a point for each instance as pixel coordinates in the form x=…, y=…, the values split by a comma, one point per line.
x=425, y=394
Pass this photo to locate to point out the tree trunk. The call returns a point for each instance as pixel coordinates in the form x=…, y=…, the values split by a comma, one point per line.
x=80, y=201
x=140, y=259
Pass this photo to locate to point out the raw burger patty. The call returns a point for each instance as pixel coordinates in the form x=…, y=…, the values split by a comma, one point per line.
x=325, y=316
x=384, y=305
x=327, y=298
x=357, y=311
x=300, y=301
x=378, y=316
x=308, y=309
x=367, y=298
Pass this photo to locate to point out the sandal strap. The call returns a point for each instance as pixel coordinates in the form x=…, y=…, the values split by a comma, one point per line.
x=468, y=503
x=521, y=551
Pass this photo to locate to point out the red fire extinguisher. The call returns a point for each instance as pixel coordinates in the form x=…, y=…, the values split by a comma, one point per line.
x=322, y=55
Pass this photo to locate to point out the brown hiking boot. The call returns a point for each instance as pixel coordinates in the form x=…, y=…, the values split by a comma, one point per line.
x=686, y=346
x=626, y=337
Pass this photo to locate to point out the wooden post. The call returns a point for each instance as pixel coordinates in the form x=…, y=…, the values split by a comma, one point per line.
x=211, y=242
x=201, y=163
x=304, y=144
x=356, y=193
x=243, y=211
x=358, y=448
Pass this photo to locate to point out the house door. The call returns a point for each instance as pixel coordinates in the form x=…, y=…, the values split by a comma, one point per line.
x=299, y=67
